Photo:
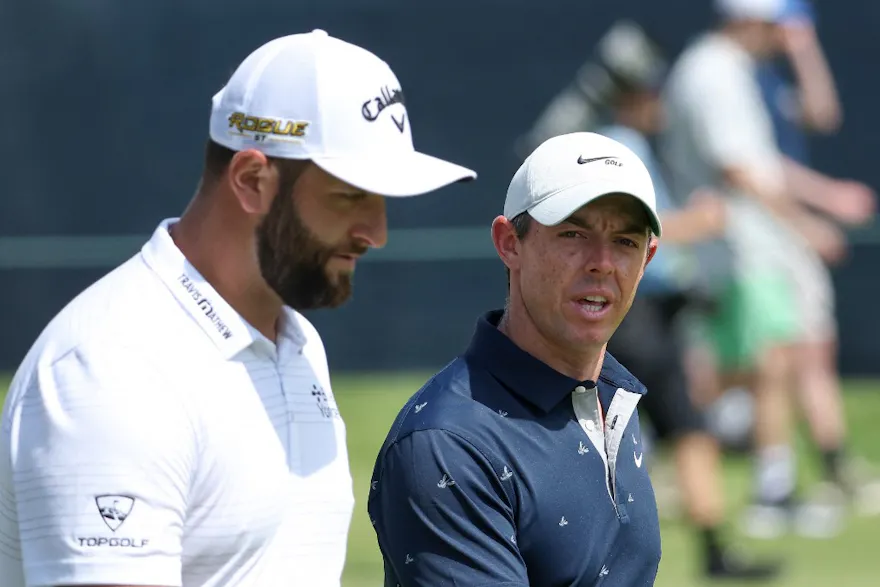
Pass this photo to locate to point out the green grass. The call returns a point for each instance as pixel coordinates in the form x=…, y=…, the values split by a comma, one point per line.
x=370, y=402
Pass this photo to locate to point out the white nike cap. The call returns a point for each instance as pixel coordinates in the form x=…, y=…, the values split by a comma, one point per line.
x=569, y=171
x=312, y=96
x=762, y=10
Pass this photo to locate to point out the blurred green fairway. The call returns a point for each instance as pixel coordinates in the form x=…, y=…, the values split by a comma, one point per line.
x=370, y=402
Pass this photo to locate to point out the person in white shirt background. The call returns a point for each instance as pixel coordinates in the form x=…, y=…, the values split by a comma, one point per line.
x=720, y=133
x=174, y=425
x=800, y=92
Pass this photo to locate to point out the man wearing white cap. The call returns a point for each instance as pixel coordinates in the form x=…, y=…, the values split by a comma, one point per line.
x=174, y=425
x=522, y=463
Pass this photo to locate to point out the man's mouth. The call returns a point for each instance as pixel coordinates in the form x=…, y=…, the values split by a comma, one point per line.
x=594, y=303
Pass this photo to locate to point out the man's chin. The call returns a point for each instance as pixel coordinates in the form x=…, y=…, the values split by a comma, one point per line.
x=338, y=295
x=591, y=335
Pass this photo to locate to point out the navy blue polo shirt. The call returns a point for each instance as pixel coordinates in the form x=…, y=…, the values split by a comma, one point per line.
x=503, y=471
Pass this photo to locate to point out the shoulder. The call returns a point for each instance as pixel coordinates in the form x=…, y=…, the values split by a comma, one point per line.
x=129, y=306
x=710, y=60
x=108, y=346
x=119, y=319
x=87, y=374
x=444, y=402
x=445, y=407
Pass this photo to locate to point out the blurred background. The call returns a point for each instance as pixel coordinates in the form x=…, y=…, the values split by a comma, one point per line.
x=107, y=109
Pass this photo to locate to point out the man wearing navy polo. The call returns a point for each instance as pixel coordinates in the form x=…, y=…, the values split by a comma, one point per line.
x=521, y=462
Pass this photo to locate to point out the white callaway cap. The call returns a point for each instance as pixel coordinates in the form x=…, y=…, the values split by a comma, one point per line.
x=312, y=96
x=569, y=171
x=763, y=10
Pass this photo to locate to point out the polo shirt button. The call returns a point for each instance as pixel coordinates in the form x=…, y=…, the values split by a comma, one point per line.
x=590, y=425
x=580, y=389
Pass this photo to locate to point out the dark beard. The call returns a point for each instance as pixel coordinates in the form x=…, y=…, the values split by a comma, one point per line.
x=293, y=260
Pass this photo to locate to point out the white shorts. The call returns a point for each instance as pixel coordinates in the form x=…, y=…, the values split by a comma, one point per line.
x=814, y=291
x=762, y=243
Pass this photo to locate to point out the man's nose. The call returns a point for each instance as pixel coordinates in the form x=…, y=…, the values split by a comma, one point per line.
x=372, y=226
x=600, y=258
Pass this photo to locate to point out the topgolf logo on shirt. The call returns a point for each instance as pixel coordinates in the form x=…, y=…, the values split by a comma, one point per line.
x=114, y=510
x=204, y=305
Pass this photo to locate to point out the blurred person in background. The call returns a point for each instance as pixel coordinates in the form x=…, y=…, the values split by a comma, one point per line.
x=811, y=105
x=174, y=425
x=720, y=133
x=649, y=340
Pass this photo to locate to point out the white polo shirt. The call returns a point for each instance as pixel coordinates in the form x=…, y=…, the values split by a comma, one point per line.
x=153, y=437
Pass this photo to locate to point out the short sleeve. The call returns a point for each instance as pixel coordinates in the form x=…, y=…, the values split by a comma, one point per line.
x=442, y=516
x=99, y=453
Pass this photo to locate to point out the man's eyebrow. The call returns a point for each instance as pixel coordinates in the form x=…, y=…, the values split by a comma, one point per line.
x=577, y=222
x=633, y=227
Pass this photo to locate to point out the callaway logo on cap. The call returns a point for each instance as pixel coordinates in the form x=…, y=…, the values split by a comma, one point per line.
x=569, y=171
x=312, y=96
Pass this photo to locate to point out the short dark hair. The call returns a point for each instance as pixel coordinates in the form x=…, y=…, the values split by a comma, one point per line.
x=218, y=158
x=522, y=222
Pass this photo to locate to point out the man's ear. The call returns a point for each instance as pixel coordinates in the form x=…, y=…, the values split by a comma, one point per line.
x=652, y=249
x=506, y=242
x=253, y=180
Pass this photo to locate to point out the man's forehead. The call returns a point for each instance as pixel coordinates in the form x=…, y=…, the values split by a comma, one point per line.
x=627, y=208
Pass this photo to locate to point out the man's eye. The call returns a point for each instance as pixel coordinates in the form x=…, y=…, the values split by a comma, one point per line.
x=628, y=242
x=569, y=234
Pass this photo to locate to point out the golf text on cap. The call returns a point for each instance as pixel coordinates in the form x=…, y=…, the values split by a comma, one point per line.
x=263, y=126
x=385, y=99
x=204, y=305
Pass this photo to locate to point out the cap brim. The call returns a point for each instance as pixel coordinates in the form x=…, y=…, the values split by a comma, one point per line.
x=396, y=175
x=556, y=208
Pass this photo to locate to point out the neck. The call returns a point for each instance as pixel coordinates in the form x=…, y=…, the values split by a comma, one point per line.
x=739, y=35
x=581, y=363
x=223, y=250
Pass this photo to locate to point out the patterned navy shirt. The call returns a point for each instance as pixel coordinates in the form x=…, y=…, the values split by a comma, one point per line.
x=501, y=471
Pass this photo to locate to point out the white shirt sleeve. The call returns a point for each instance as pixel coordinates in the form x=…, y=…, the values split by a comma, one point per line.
x=730, y=120
x=101, y=453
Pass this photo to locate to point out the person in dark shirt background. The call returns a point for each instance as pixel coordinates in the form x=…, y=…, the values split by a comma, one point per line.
x=522, y=462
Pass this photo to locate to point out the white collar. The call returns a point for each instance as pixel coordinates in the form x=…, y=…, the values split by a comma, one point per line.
x=218, y=320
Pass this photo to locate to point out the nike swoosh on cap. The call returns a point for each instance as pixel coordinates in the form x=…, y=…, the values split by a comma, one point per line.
x=581, y=159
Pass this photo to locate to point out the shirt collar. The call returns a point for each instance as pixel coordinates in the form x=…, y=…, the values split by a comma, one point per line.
x=528, y=377
x=229, y=332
